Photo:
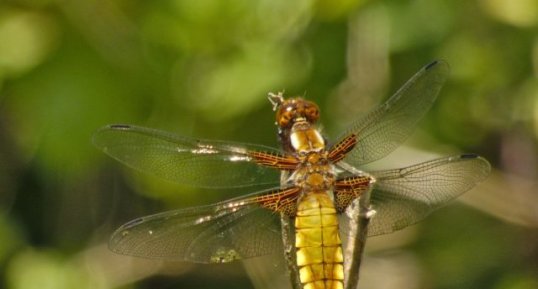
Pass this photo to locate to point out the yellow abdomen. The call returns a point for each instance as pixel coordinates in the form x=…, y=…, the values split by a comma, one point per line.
x=319, y=249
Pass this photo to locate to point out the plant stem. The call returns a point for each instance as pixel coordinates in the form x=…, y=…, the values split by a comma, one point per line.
x=360, y=214
x=288, y=239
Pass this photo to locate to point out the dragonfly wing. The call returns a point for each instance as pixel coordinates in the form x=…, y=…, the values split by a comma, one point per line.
x=386, y=127
x=239, y=228
x=403, y=197
x=210, y=164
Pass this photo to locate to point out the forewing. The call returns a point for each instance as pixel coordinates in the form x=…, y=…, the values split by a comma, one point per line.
x=402, y=197
x=209, y=164
x=386, y=127
x=236, y=229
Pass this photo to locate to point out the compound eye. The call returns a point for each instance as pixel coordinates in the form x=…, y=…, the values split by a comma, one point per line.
x=311, y=112
x=284, y=117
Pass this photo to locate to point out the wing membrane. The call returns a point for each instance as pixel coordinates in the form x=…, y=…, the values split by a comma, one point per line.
x=403, y=197
x=209, y=164
x=235, y=229
x=386, y=127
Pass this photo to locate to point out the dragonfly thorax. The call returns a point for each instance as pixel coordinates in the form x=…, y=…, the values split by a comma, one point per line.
x=305, y=139
x=314, y=177
x=315, y=172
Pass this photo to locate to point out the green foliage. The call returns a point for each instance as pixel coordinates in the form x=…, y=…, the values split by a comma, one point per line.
x=203, y=69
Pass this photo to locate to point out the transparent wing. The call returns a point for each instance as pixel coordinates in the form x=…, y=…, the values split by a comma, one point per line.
x=235, y=229
x=209, y=164
x=386, y=127
x=403, y=197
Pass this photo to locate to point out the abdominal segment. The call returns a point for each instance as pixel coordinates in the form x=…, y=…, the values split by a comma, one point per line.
x=319, y=249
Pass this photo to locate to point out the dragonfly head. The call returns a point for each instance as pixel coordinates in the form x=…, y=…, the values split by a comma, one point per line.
x=293, y=110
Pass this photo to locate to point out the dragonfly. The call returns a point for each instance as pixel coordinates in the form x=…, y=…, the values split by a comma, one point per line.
x=310, y=180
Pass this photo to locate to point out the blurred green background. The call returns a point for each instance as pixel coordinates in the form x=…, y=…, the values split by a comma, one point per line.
x=203, y=68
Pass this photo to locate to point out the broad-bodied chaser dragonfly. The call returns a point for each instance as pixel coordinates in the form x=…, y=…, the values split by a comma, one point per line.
x=314, y=182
